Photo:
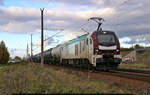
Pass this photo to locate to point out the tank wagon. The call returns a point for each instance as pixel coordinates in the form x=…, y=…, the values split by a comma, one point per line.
x=99, y=49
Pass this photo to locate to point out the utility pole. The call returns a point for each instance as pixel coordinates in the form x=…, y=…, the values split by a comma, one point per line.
x=42, y=38
x=31, y=48
x=27, y=52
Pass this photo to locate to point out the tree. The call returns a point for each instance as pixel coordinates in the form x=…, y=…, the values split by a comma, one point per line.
x=10, y=58
x=17, y=58
x=4, y=54
x=137, y=46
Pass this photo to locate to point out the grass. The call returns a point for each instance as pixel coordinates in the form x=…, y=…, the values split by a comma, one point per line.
x=124, y=53
x=139, y=66
x=32, y=78
x=145, y=58
x=142, y=62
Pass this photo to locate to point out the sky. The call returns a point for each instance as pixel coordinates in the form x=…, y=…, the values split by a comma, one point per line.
x=129, y=19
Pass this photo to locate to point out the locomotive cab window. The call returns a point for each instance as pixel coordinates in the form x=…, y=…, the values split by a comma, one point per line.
x=80, y=47
x=87, y=41
x=83, y=45
x=90, y=41
x=106, y=40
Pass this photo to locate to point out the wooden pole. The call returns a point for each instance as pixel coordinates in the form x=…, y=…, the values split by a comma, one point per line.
x=42, y=38
x=31, y=48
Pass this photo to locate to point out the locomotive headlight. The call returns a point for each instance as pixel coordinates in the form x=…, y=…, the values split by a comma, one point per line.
x=117, y=50
x=96, y=50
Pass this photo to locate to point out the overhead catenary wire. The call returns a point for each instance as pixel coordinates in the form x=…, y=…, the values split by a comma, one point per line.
x=37, y=47
x=79, y=27
x=54, y=35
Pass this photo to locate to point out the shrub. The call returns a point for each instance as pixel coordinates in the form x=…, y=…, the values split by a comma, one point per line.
x=4, y=54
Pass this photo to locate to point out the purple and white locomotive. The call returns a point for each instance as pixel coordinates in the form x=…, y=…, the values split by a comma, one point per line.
x=99, y=49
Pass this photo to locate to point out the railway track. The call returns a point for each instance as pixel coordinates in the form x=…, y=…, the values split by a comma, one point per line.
x=135, y=71
x=141, y=75
x=130, y=74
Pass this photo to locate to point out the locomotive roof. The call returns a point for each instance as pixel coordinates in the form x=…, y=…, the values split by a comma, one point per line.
x=107, y=31
x=83, y=37
x=80, y=38
x=38, y=54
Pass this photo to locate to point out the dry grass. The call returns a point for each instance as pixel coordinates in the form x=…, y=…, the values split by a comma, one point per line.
x=124, y=53
x=145, y=58
x=142, y=62
x=32, y=78
x=139, y=66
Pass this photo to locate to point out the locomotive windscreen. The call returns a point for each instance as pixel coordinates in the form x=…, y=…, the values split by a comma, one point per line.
x=106, y=39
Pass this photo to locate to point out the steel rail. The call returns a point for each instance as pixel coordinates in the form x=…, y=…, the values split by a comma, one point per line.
x=134, y=70
x=140, y=76
x=129, y=75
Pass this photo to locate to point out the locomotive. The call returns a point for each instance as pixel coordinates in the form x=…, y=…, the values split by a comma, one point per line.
x=99, y=49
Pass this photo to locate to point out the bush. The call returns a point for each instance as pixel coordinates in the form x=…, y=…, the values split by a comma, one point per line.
x=4, y=54
x=17, y=58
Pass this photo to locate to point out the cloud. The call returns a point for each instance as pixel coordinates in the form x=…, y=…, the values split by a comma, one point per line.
x=95, y=3
x=74, y=2
x=28, y=20
x=51, y=41
x=102, y=12
x=138, y=39
x=128, y=18
x=19, y=20
x=17, y=52
x=19, y=27
x=69, y=37
x=19, y=14
x=1, y=2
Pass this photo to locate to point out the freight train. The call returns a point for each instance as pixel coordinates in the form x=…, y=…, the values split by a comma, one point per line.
x=99, y=49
